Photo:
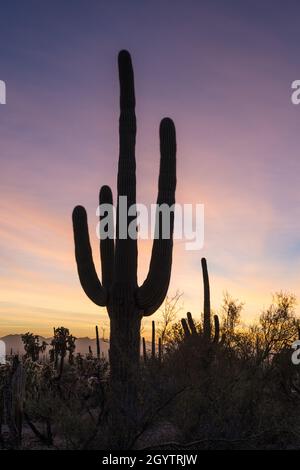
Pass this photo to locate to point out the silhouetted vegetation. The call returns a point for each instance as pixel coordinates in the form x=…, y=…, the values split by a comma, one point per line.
x=62, y=343
x=234, y=389
x=32, y=346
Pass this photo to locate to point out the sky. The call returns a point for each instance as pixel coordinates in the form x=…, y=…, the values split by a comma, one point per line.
x=222, y=70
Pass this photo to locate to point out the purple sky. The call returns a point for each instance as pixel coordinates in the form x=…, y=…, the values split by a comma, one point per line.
x=221, y=70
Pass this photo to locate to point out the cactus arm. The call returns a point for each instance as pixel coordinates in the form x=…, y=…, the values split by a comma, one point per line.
x=107, y=249
x=217, y=329
x=185, y=327
x=84, y=259
x=152, y=292
x=126, y=248
x=191, y=323
x=206, y=323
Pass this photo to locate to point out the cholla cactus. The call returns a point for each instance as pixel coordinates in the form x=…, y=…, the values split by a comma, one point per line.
x=126, y=302
x=32, y=346
x=62, y=343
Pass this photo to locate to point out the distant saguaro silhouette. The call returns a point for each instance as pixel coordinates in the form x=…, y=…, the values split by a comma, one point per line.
x=125, y=301
x=189, y=326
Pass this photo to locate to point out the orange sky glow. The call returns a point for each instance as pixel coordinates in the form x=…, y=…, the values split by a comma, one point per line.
x=223, y=77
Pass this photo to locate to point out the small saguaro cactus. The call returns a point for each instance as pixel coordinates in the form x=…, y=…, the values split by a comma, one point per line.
x=189, y=326
x=97, y=342
x=206, y=306
x=126, y=302
x=190, y=329
x=153, y=356
x=153, y=348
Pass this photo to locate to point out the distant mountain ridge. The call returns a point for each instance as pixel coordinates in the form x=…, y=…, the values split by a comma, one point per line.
x=14, y=343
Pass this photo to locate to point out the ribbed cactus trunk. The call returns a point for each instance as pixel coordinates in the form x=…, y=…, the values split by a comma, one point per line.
x=124, y=355
x=126, y=302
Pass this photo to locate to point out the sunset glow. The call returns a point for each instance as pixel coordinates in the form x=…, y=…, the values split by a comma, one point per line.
x=227, y=88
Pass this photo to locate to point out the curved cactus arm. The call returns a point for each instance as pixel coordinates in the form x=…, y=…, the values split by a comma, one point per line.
x=126, y=246
x=217, y=329
x=153, y=291
x=107, y=248
x=84, y=259
x=206, y=323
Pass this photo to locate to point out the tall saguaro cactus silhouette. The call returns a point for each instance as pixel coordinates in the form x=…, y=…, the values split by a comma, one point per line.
x=126, y=302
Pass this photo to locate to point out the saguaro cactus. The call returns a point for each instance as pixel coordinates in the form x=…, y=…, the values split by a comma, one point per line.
x=153, y=341
x=97, y=342
x=125, y=301
x=189, y=326
x=206, y=306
